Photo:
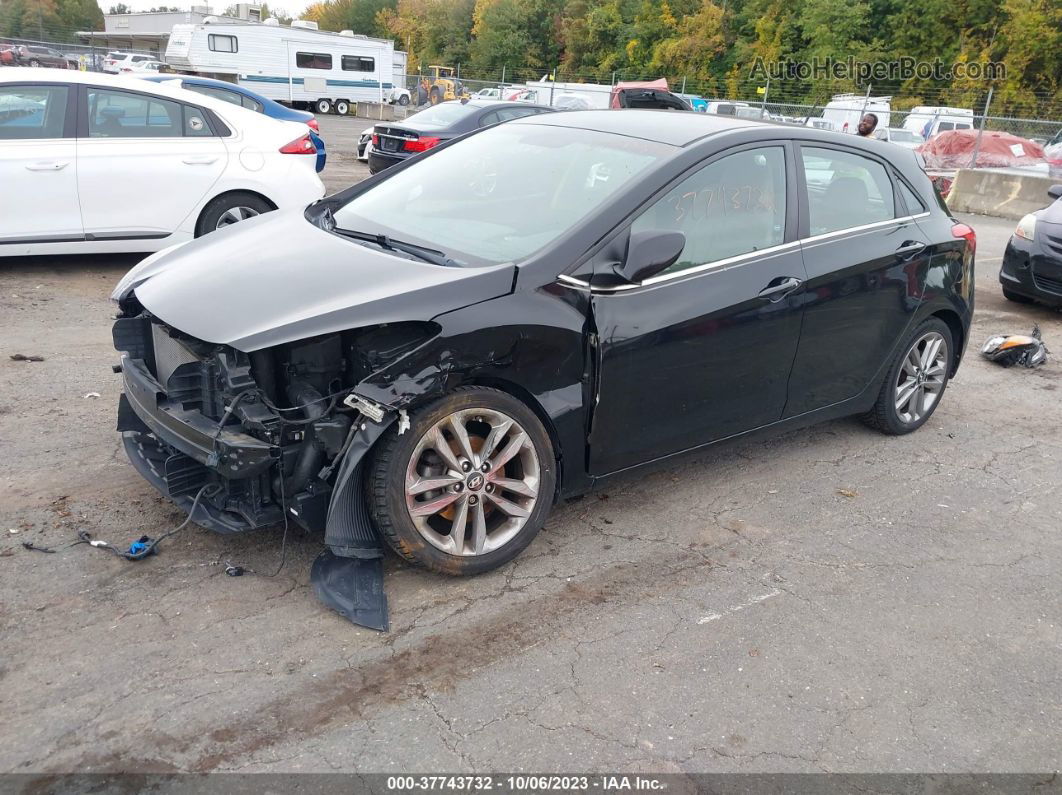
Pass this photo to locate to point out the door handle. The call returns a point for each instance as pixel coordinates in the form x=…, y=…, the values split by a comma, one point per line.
x=779, y=288
x=910, y=248
x=54, y=165
x=199, y=161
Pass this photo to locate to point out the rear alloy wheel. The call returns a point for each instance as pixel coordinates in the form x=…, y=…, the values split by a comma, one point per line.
x=342, y=107
x=323, y=106
x=916, y=381
x=468, y=486
x=229, y=209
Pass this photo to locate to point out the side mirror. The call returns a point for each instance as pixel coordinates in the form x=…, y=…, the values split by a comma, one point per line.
x=649, y=253
x=1055, y=191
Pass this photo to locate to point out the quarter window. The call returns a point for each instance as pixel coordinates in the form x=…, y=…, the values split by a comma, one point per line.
x=116, y=114
x=845, y=190
x=313, y=60
x=913, y=203
x=32, y=112
x=733, y=206
x=218, y=43
x=357, y=63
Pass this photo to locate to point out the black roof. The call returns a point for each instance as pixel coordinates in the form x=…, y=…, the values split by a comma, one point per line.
x=673, y=127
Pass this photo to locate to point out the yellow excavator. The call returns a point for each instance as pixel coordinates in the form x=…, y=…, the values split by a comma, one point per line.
x=444, y=85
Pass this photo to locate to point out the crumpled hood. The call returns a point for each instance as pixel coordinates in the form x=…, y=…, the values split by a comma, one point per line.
x=278, y=278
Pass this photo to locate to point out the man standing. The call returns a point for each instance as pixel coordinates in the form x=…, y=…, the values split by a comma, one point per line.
x=867, y=125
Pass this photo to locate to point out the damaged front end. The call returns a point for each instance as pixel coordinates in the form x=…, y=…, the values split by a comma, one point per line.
x=278, y=435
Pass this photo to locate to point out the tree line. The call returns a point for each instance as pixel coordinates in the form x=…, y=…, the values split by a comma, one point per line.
x=713, y=45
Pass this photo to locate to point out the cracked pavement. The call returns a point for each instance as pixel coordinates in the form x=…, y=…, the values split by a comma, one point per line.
x=732, y=612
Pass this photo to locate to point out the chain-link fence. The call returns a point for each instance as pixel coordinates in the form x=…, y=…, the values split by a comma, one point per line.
x=85, y=57
x=910, y=126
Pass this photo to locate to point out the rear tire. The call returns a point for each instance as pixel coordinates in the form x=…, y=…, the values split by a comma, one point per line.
x=230, y=208
x=477, y=504
x=1017, y=298
x=916, y=380
x=342, y=107
x=403, y=100
x=323, y=106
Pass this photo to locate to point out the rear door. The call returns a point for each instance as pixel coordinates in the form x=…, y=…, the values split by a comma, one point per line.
x=866, y=259
x=144, y=162
x=38, y=170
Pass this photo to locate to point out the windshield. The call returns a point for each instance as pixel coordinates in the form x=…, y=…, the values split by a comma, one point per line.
x=503, y=194
x=442, y=115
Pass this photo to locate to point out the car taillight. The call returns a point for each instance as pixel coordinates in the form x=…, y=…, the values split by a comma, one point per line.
x=313, y=125
x=966, y=233
x=300, y=146
x=375, y=141
x=422, y=144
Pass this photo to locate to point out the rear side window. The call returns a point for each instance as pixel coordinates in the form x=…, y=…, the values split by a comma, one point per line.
x=32, y=112
x=313, y=60
x=219, y=43
x=251, y=104
x=116, y=114
x=845, y=190
x=733, y=206
x=912, y=202
x=195, y=122
x=216, y=93
x=357, y=63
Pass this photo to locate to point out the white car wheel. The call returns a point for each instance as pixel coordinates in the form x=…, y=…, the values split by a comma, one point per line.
x=323, y=106
x=342, y=107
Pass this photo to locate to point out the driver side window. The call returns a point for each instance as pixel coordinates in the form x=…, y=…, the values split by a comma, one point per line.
x=733, y=206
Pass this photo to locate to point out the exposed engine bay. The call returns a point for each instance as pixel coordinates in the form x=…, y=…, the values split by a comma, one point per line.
x=267, y=432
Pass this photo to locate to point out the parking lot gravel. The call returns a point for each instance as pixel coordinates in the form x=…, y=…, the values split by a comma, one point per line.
x=829, y=600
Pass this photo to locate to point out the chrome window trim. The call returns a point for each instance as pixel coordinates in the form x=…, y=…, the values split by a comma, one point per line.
x=578, y=284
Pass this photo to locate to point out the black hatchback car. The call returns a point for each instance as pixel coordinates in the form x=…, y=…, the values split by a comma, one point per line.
x=1032, y=263
x=524, y=313
x=393, y=142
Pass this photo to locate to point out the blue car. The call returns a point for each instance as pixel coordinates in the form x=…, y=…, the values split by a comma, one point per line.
x=238, y=95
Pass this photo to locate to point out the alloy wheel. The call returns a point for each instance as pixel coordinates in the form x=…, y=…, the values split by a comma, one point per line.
x=472, y=482
x=234, y=215
x=921, y=377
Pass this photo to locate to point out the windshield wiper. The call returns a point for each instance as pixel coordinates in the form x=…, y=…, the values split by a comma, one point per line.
x=434, y=256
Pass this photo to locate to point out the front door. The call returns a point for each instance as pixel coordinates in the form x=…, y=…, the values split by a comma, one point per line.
x=703, y=351
x=38, y=171
x=866, y=258
x=144, y=163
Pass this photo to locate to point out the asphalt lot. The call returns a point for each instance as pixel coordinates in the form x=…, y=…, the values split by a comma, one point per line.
x=734, y=612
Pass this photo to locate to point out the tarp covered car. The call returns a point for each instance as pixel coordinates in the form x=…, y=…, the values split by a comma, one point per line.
x=955, y=149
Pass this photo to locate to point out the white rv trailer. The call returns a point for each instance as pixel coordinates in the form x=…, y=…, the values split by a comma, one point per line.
x=296, y=65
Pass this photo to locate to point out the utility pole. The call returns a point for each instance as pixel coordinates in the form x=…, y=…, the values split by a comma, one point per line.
x=981, y=130
x=763, y=105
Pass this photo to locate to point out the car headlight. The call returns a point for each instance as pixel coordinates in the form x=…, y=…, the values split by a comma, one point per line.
x=1026, y=227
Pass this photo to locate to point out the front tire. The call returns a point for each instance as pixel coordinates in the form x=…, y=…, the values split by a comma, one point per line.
x=342, y=107
x=468, y=486
x=403, y=100
x=230, y=208
x=323, y=106
x=916, y=380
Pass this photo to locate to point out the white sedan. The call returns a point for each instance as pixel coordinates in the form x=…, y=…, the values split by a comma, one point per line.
x=94, y=164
